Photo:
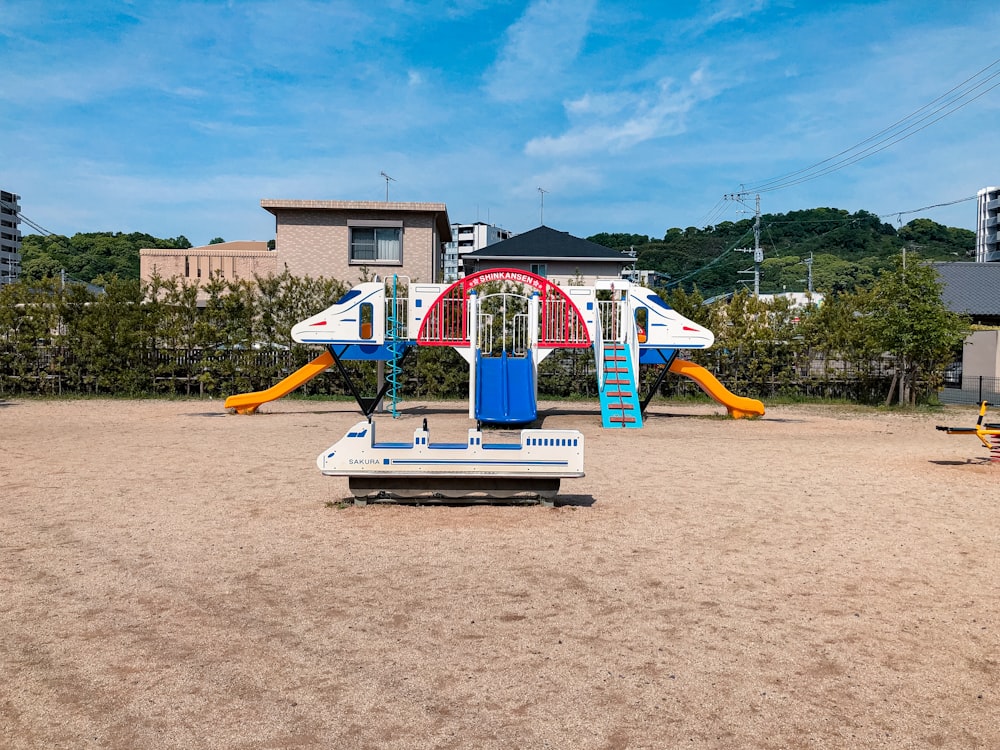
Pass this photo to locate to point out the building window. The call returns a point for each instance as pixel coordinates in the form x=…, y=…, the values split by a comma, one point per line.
x=539, y=269
x=376, y=245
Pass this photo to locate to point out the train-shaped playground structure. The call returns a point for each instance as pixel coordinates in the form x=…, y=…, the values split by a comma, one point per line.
x=504, y=323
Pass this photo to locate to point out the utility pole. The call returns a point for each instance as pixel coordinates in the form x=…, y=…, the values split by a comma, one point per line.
x=541, y=210
x=809, y=271
x=758, y=254
x=387, y=178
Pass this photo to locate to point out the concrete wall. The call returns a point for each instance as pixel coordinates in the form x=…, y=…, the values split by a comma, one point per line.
x=981, y=355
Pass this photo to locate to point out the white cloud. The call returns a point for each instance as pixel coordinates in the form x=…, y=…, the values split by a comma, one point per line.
x=187, y=92
x=538, y=49
x=614, y=122
x=732, y=10
x=463, y=8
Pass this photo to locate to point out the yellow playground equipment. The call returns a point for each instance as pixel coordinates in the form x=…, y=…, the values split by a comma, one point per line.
x=988, y=434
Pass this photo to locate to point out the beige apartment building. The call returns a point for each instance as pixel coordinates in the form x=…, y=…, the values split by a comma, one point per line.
x=349, y=239
x=344, y=240
x=230, y=260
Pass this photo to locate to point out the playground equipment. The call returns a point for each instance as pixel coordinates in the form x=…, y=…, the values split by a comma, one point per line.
x=738, y=406
x=988, y=434
x=532, y=466
x=504, y=336
x=248, y=403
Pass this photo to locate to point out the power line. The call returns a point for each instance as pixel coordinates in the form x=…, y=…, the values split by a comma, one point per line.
x=766, y=185
x=926, y=208
x=714, y=213
x=840, y=221
x=45, y=233
x=893, y=134
x=25, y=220
x=691, y=274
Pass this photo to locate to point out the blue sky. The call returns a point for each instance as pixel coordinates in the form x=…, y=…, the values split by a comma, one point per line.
x=179, y=117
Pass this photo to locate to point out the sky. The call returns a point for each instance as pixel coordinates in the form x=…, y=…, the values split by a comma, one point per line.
x=177, y=118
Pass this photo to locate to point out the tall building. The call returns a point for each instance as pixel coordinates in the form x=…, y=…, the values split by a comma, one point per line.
x=467, y=238
x=10, y=237
x=988, y=226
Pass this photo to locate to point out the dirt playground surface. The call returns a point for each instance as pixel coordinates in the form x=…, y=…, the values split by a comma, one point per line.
x=172, y=576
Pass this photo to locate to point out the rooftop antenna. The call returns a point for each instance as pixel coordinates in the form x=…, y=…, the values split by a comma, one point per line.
x=541, y=210
x=387, y=178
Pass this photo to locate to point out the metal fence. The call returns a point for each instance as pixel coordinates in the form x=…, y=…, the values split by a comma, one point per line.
x=972, y=390
x=54, y=370
x=51, y=370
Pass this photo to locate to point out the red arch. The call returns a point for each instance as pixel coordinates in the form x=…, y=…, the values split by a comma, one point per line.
x=446, y=321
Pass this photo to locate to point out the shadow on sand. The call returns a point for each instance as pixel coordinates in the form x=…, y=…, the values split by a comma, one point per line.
x=981, y=461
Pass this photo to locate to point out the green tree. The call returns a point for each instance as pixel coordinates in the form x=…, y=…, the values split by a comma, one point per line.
x=619, y=239
x=108, y=336
x=933, y=240
x=911, y=323
x=849, y=250
x=29, y=314
x=87, y=256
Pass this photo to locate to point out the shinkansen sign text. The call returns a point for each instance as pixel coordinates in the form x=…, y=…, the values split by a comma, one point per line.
x=516, y=277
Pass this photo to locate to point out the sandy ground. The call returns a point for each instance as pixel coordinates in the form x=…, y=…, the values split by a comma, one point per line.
x=177, y=577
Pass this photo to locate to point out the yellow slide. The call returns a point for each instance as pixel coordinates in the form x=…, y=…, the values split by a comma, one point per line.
x=248, y=403
x=738, y=406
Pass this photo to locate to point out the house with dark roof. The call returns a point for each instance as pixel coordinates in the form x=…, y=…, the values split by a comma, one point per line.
x=557, y=256
x=973, y=289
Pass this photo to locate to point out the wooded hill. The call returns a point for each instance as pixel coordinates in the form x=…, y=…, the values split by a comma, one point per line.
x=89, y=256
x=849, y=250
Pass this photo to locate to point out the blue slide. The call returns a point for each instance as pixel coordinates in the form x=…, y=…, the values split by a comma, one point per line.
x=505, y=389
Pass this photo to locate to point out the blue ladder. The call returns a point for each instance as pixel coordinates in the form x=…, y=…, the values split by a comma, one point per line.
x=619, y=393
x=396, y=348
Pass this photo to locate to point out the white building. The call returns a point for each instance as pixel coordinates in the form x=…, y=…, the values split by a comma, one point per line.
x=988, y=226
x=10, y=237
x=796, y=300
x=467, y=238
